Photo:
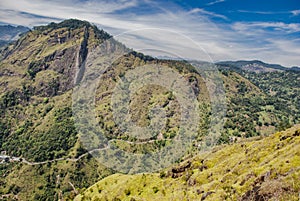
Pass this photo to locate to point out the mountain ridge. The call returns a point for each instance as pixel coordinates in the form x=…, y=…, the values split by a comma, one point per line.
x=256, y=66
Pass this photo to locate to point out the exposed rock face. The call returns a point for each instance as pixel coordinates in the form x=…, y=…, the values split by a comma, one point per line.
x=56, y=52
x=43, y=63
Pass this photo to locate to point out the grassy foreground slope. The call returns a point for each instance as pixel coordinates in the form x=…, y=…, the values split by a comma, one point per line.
x=256, y=169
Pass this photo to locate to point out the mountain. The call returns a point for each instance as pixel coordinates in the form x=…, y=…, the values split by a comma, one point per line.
x=37, y=76
x=41, y=128
x=9, y=33
x=255, y=169
x=255, y=66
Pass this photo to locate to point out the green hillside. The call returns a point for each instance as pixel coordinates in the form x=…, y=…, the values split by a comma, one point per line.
x=254, y=169
x=37, y=77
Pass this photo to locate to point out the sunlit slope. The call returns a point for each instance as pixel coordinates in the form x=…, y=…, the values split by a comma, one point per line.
x=257, y=169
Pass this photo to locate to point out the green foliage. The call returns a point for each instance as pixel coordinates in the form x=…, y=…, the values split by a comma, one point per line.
x=155, y=189
x=34, y=67
x=54, y=142
x=70, y=23
x=9, y=99
x=266, y=105
x=4, y=132
x=283, y=89
x=73, y=24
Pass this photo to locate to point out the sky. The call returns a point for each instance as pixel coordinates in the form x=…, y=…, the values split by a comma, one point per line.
x=210, y=30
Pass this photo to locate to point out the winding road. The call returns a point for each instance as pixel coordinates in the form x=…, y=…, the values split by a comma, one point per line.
x=24, y=160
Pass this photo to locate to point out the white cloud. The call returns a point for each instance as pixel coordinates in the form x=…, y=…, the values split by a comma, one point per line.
x=280, y=50
x=258, y=26
x=19, y=18
x=215, y=2
x=42, y=6
x=260, y=12
x=295, y=12
x=204, y=12
x=90, y=11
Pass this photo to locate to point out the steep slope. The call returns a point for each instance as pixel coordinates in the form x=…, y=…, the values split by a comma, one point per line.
x=256, y=169
x=259, y=104
x=38, y=73
x=277, y=87
x=276, y=108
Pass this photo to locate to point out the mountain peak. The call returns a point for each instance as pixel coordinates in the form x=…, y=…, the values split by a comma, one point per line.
x=72, y=24
x=57, y=50
x=69, y=23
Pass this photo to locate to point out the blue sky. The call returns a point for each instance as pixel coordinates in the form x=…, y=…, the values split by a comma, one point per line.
x=214, y=30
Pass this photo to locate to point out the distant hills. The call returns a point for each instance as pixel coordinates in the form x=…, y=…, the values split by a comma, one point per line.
x=10, y=33
x=255, y=66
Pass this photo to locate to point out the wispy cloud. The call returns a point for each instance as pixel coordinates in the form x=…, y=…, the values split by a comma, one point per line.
x=215, y=2
x=208, y=13
x=86, y=10
x=261, y=12
x=295, y=12
x=24, y=18
x=69, y=5
x=258, y=27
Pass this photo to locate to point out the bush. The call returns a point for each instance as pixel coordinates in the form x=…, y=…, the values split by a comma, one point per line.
x=155, y=189
x=127, y=192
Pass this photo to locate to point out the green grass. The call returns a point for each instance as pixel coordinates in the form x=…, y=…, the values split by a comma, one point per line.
x=271, y=164
x=48, y=181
